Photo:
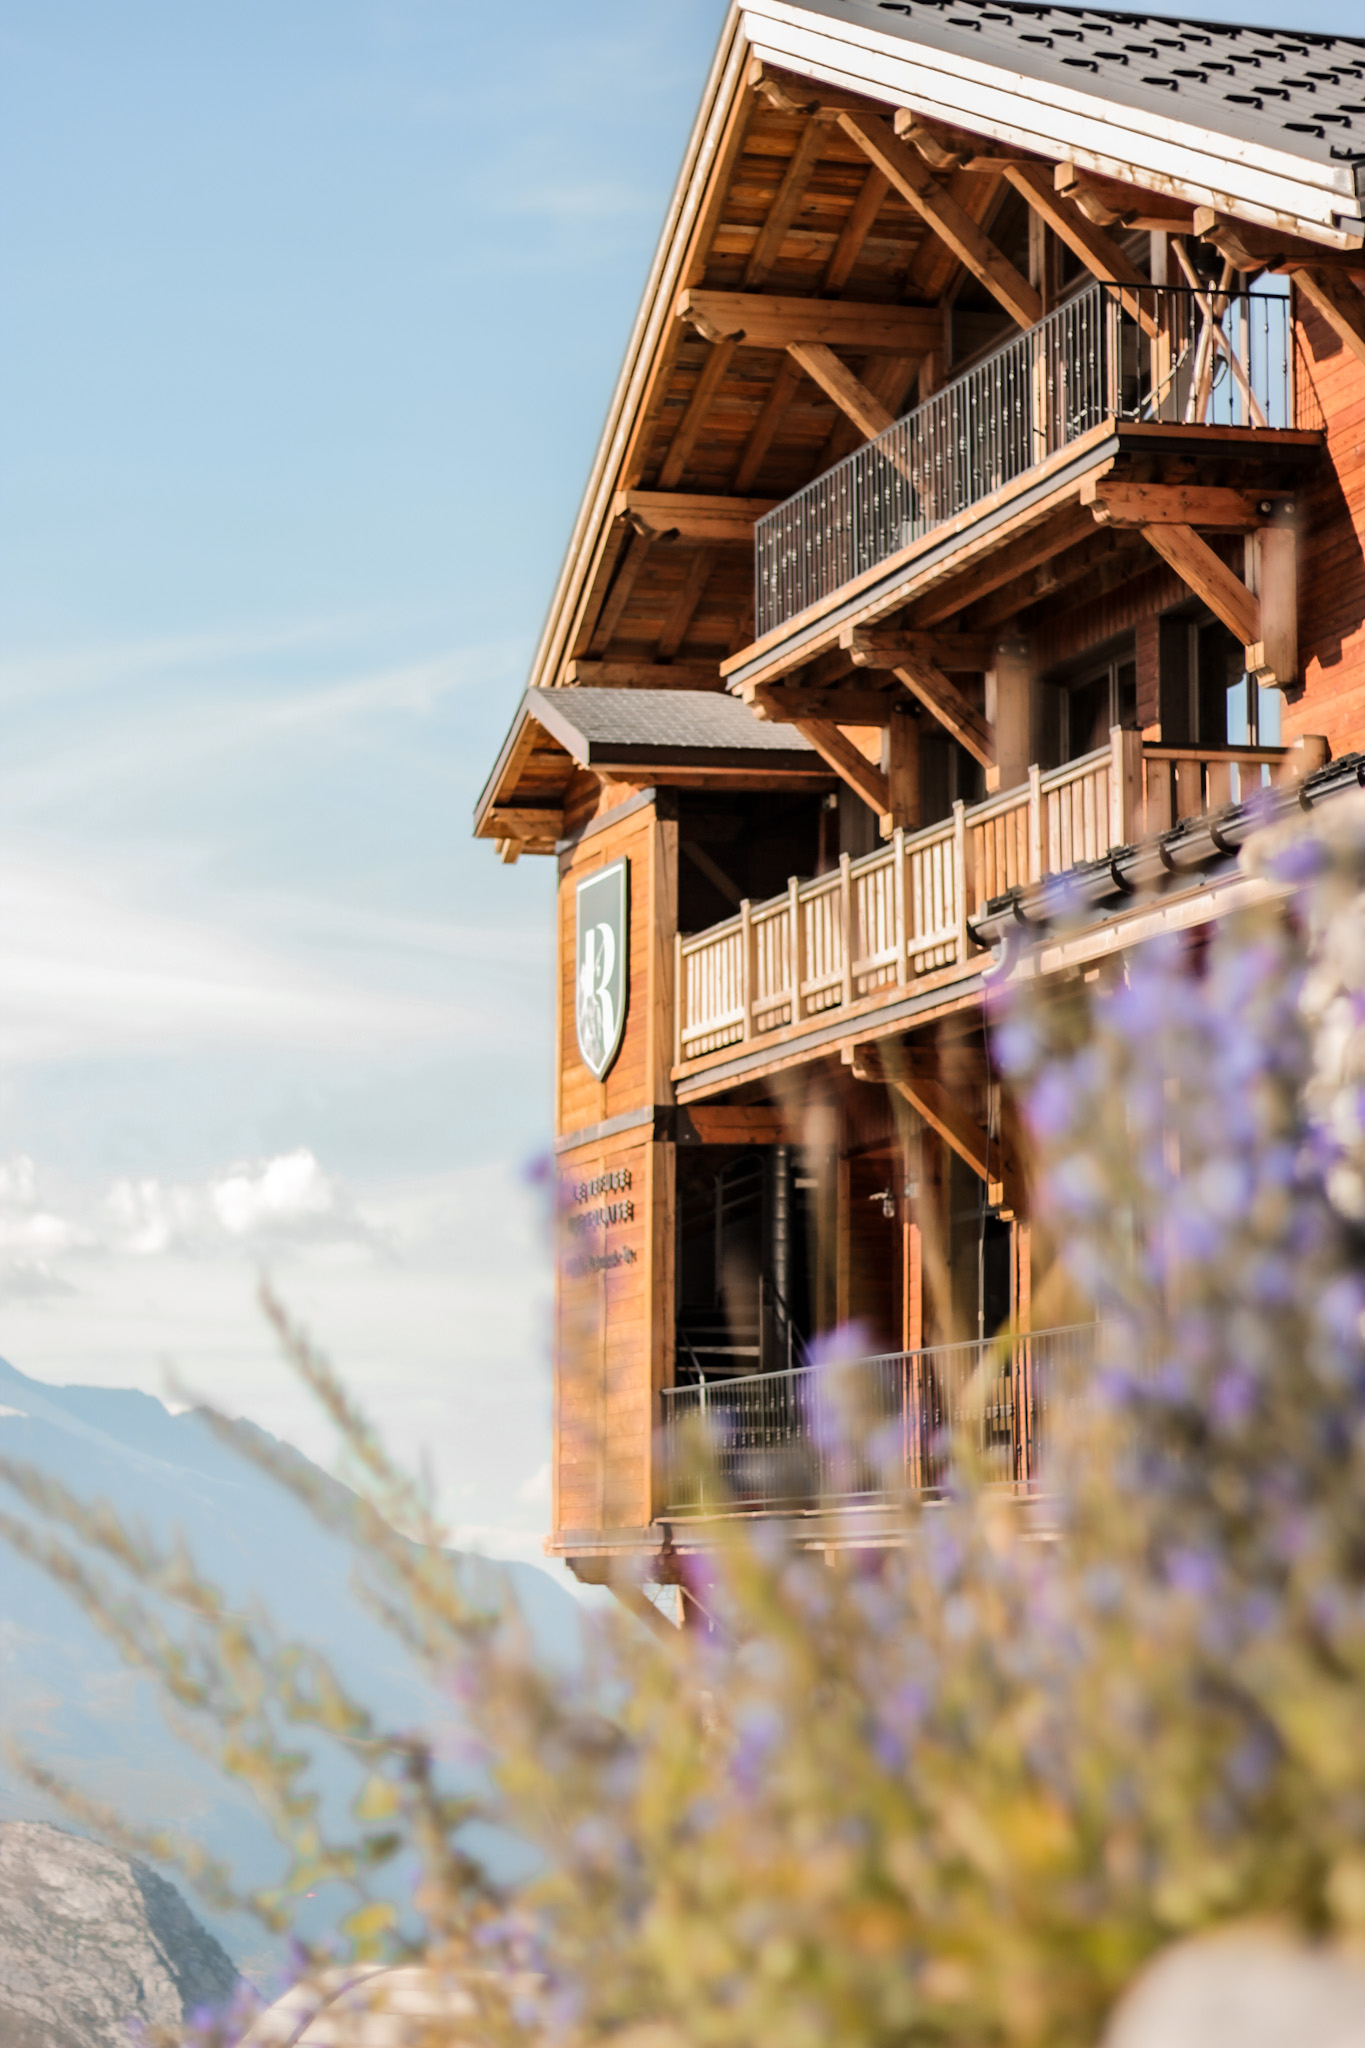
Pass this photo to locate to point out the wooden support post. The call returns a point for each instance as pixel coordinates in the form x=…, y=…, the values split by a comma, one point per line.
x=1273, y=560
x=680, y=999
x=1125, y=786
x=746, y=966
x=795, y=948
x=900, y=764
x=962, y=879
x=843, y=1244
x=1035, y=822
x=1013, y=721
x=901, y=899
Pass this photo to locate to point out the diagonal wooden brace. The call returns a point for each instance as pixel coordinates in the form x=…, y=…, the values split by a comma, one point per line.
x=847, y=761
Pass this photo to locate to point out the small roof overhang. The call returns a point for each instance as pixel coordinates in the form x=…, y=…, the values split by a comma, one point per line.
x=672, y=739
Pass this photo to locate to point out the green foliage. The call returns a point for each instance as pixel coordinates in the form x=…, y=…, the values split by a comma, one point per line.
x=956, y=1791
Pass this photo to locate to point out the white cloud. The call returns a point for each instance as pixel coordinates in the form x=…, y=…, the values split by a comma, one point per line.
x=286, y=1192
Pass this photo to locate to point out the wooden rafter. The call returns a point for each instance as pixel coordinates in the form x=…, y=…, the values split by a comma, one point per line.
x=1111, y=204
x=765, y=427
x=934, y=270
x=708, y=383
x=1113, y=557
x=685, y=604
x=847, y=761
x=855, y=232
x=618, y=597
x=917, y=184
x=786, y=204
x=919, y=1083
x=775, y=320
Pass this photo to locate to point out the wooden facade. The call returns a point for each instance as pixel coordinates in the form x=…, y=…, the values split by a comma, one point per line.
x=982, y=504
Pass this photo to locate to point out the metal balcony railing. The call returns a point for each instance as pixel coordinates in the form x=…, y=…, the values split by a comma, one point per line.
x=1112, y=352
x=878, y=1428
x=887, y=921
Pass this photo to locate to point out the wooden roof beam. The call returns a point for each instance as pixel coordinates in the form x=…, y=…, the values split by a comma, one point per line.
x=763, y=320
x=886, y=647
x=917, y=184
x=788, y=704
x=1116, y=503
x=848, y=761
x=788, y=93
x=919, y=662
x=1248, y=247
x=642, y=675
x=691, y=515
x=1003, y=563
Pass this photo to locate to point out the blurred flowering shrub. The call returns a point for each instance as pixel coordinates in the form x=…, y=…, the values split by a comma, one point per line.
x=957, y=1790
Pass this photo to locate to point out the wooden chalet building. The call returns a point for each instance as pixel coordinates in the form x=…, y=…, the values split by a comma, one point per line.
x=980, y=504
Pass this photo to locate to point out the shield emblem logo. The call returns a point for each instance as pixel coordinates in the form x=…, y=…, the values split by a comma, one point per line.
x=603, y=965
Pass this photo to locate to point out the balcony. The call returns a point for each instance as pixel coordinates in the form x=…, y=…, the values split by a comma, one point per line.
x=873, y=1430
x=1148, y=356
x=900, y=919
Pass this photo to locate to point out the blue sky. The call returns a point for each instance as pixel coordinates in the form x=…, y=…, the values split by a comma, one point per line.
x=312, y=313
x=312, y=308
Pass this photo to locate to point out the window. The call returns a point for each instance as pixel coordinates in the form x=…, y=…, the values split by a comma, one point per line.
x=1095, y=703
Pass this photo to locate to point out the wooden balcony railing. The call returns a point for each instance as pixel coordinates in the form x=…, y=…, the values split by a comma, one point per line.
x=887, y=921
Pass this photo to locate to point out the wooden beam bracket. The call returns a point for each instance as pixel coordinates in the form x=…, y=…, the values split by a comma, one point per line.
x=848, y=761
x=989, y=1156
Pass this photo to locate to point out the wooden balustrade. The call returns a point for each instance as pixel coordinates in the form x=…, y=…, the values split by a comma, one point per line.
x=888, y=920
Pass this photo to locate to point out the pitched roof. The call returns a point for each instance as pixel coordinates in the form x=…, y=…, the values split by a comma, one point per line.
x=1283, y=89
x=600, y=727
x=1267, y=124
x=668, y=736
